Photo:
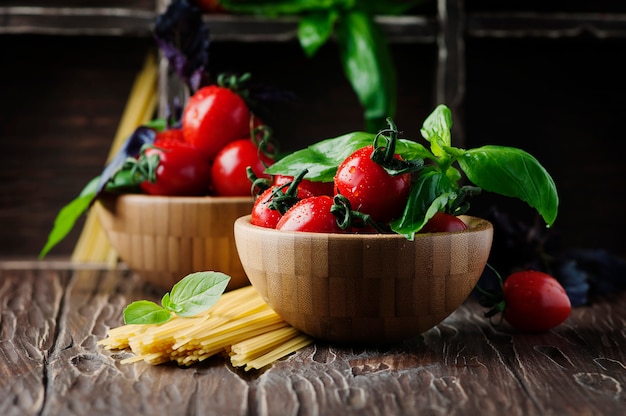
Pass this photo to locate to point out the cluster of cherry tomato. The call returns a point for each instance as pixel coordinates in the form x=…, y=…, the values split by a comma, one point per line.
x=210, y=153
x=364, y=197
x=530, y=301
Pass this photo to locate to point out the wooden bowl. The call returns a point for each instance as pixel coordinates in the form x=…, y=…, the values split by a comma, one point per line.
x=165, y=238
x=363, y=288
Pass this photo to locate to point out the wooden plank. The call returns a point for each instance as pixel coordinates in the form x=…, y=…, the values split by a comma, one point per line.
x=107, y=21
x=28, y=324
x=546, y=25
x=51, y=320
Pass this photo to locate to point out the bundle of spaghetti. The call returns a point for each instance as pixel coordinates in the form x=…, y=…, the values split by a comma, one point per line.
x=118, y=338
x=240, y=324
x=220, y=338
x=271, y=355
x=92, y=244
x=252, y=348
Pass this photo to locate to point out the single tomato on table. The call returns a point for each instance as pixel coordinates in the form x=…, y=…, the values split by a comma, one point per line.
x=534, y=301
x=529, y=300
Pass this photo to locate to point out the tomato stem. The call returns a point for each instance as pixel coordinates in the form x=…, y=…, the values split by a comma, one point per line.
x=461, y=205
x=235, y=83
x=384, y=154
x=346, y=217
x=258, y=184
x=285, y=196
x=493, y=299
x=262, y=137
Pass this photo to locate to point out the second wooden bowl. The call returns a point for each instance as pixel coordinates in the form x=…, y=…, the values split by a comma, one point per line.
x=363, y=288
x=165, y=238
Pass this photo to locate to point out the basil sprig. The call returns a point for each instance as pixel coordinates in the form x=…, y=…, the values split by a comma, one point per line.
x=364, y=52
x=322, y=158
x=193, y=294
x=507, y=171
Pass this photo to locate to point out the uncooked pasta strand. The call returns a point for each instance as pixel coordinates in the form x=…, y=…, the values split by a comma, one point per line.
x=281, y=351
x=240, y=325
x=254, y=347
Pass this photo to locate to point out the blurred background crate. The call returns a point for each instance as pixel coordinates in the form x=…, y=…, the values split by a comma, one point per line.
x=547, y=78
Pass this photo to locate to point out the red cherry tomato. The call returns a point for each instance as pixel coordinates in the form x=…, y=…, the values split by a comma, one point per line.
x=312, y=215
x=534, y=301
x=209, y=6
x=264, y=216
x=369, y=188
x=316, y=188
x=182, y=170
x=214, y=117
x=169, y=135
x=228, y=172
x=443, y=223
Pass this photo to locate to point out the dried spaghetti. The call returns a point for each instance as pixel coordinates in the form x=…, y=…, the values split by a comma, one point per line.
x=240, y=324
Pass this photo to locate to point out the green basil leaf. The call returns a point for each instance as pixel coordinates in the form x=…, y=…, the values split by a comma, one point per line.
x=368, y=65
x=145, y=312
x=429, y=194
x=69, y=214
x=315, y=29
x=197, y=292
x=166, y=303
x=410, y=150
x=515, y=173
x=321, y=158
x=436, y=129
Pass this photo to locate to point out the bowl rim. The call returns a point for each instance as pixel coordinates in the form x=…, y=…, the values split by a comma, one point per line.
x=207, y=199
x=477, y=225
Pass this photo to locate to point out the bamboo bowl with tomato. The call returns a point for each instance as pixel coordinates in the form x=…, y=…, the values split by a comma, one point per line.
x=363, y=288
x=164, y=238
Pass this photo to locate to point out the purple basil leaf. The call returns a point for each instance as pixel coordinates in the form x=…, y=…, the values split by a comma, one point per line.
x=184, y=39
x=606, y=272
x=574, y=280
x=130, y=148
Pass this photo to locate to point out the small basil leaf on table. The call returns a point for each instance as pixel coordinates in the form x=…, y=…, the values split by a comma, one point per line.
x=194, y=294
x=146, y=312
x=197, y=292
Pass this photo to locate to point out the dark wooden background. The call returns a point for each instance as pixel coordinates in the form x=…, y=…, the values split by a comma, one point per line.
x=560, y=98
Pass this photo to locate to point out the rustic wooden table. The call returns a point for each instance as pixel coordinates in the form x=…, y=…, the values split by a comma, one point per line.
x=53, y=313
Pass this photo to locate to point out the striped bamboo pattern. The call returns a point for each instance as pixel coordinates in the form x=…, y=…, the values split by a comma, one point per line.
x=363, y=288
x=165, y=238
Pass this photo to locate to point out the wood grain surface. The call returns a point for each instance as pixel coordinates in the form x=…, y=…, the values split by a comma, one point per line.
x=51, y=317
